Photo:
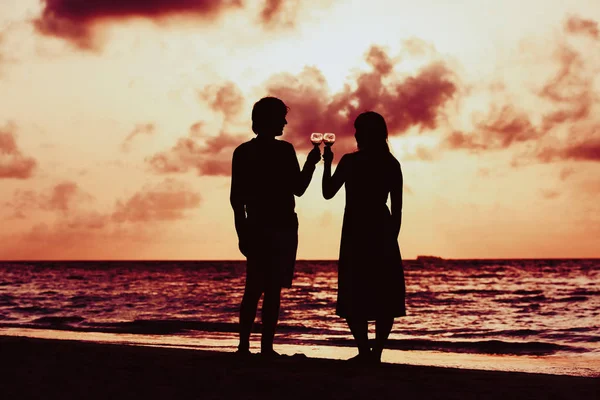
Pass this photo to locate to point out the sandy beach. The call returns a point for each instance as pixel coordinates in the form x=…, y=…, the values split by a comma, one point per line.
x=38, y=368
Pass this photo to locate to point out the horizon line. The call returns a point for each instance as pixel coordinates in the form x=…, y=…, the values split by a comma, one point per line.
x=298, y=260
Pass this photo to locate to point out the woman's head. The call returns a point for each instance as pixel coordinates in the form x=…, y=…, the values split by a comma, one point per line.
x=371, y=132
x=268, y=116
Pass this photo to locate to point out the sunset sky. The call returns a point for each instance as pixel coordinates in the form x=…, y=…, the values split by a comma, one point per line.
x=118, y=121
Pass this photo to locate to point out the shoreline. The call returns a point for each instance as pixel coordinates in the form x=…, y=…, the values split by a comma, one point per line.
x=48, y=368
x=583, y=365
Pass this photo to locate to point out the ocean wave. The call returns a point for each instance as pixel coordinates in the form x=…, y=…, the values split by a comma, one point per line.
x=53, y=321
x=491, y=292
x=7, y=300
x=523, y=291
x=571, y=299
x=149, y=327
x=585, y=292
x=35, y=310
x=509, y=333
x=523, y=299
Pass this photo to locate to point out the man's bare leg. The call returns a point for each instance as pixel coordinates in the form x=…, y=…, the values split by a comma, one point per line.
x=270, y=316
x=247, y=315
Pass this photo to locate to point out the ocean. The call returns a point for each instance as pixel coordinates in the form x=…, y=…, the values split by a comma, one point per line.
x=527, y=315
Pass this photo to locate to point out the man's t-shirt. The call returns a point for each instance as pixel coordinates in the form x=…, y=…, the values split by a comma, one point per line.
x=265, y=173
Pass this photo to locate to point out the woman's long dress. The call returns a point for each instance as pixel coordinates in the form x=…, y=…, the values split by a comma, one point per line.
x=371, y=277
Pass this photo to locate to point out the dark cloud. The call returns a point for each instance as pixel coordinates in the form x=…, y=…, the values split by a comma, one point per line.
x=74, y=20
x=140, y=129
x=577, y=25
x=504, y=126
x=404, y=101
x=461, y=140
x=165, y=202
x=77, y=20
x=13, y=163
x=587, y=150
x=208, y=155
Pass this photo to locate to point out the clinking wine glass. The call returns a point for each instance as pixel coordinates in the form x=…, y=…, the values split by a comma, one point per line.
x=329, y=138
x=316, y=138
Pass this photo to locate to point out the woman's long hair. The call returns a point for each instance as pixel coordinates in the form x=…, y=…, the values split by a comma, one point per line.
x=371, y=132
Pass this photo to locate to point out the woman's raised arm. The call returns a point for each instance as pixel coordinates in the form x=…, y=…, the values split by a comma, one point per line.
x=331, y=184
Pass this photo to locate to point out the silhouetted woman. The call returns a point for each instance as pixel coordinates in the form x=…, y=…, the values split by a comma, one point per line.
x=370, y=276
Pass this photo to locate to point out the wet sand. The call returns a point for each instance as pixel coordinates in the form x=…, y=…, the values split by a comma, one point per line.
x=43, y=369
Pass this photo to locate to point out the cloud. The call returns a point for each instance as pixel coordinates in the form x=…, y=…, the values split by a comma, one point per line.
x=167, y=201
x=279, y=13
x=577, y=25
x=569, y=95
x=208, y=155
x=76, y=20
x=227, y=99
x=77, y=233
x=62, y=197
x=461, y=140
x=64, y=194
x=421, y=153
x=566, y=172
x=550, y=194
x=405, y=101
x=140, y=129
x=13, y=163
x=571, y=89
x=586, y=150
x=83, y=236
x=499, y=129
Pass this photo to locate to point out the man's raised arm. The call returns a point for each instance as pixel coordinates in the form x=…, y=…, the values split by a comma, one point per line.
x=304, y=177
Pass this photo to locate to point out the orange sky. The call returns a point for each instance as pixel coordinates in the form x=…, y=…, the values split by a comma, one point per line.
x=117, y=123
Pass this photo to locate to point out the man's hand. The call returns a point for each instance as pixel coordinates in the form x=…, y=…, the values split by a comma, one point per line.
x=314, y=156
x=327, y=154
x=244, y=246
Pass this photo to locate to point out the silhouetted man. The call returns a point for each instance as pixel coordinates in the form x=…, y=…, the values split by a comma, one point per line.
x=265, y=177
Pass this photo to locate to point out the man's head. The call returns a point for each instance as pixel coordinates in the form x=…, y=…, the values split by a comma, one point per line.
x=268, y=116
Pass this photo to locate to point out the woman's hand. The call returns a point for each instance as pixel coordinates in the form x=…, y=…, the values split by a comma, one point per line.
x=327, y=155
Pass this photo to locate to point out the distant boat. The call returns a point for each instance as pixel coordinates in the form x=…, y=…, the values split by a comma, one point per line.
x=430, y=259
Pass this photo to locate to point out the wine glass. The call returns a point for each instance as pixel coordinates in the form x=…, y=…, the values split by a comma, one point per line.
x=329, y=138
x=316, y=138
